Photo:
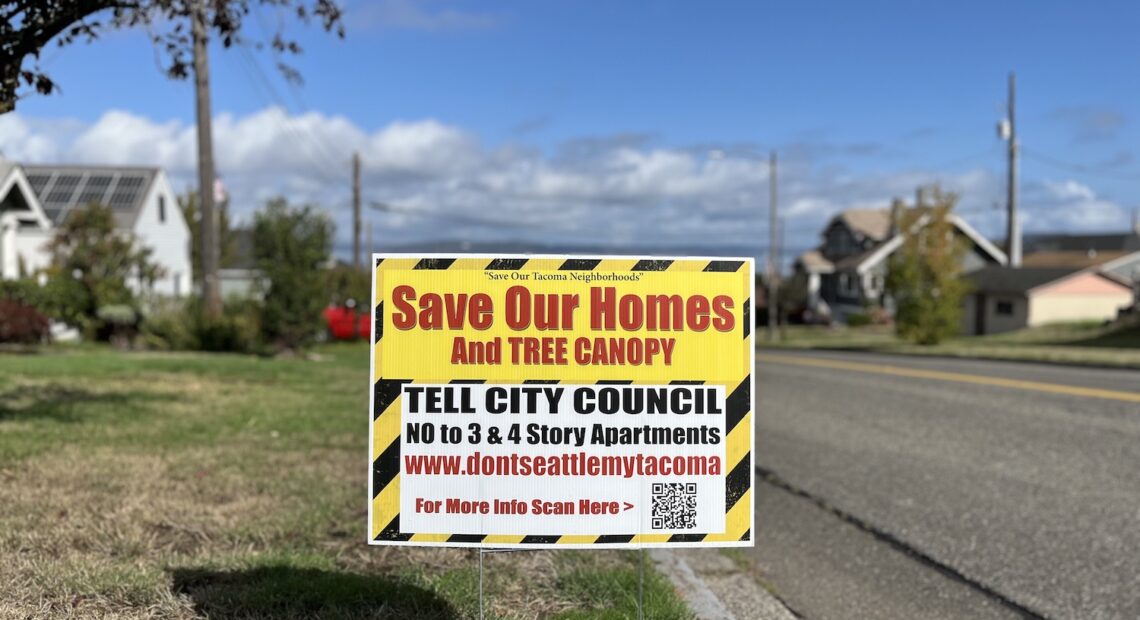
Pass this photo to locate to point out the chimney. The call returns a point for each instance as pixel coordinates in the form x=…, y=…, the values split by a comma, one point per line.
x=897, y=207
x=920, y=197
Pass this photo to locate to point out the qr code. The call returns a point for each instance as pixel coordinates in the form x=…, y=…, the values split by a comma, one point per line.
x=674, y=505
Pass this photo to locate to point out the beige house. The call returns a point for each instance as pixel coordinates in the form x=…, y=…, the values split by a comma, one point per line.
x=1006, y=299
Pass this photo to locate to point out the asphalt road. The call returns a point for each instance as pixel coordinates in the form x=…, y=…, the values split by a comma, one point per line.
x=896, y=487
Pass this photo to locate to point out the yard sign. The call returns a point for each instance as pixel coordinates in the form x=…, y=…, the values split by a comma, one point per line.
x=556, y=401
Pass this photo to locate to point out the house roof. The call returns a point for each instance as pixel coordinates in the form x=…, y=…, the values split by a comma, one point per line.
x=856, y=260
x=813, y=260
x=1079, y=258
x=999, y=279
x=59, y=189
x=867, y=259
x=1099, y=242
x=873, y=223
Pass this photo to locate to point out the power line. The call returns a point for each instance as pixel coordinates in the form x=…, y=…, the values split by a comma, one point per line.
x=1076, y=168
x=316, y=140
x=267, y=92
x=293, y=88
x=974, y=157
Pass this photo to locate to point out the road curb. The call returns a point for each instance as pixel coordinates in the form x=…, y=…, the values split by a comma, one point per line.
x=949, y=356
x=714, y=588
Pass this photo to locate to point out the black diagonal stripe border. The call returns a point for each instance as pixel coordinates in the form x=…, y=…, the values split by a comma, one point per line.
x=392, y=531
x=652, y=265
x=378, y=330
x=739, y=403
x=737, y=482
x=609, y=539
x=466, y=538
x=539, y=540
x=579, y=264
x=686, y=538
x=385, y=468
x=614, y=382
x=434, y=263
x=507, y=264
x=384, y=393
x=685, y=382
x=724, y=265
x=541, y=381
x=467, y=381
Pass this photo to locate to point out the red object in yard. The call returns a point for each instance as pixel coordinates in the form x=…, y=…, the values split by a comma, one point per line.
x=346, y=323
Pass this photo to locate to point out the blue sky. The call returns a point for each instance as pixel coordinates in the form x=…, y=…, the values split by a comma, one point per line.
x=628, y=122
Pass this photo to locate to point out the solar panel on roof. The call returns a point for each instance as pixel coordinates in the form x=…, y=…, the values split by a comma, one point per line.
x=126, y=192
x=64, y=187
x=39, y=181
x=94, y=189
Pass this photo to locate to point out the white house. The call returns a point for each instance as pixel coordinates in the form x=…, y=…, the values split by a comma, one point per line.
x=35, y=199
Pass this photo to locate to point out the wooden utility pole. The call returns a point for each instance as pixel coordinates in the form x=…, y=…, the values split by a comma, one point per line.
x=208, y=226
x=356, y=211
x=1013, y=226
x=773, y=250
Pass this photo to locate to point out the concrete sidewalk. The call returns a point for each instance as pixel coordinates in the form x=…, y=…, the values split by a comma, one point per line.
x=715, y=588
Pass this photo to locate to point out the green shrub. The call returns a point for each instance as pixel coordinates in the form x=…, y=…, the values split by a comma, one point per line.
x=26, y=291
x=184, y=327
x=169, y=329
x=220, y=335
x=237, y=330
x=291, y=246
x=858, y=319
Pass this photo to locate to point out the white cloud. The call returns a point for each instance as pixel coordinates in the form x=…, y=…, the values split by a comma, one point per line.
x=416, y=15
x=1069, y=190
x=1071, y=205
x=623, y=189
x=19, y=142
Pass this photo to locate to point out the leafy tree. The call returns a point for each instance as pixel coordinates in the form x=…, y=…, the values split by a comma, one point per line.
x=28, y=26
x=227, y=237
x=924, y=276
x=92, y=266
x=347, y=284
x=292, y=246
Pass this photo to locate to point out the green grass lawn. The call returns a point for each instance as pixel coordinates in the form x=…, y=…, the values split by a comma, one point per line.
x=190, y=485
x=1070, y=343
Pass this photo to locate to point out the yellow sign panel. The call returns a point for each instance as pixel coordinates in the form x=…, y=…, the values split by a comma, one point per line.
x=561, y=401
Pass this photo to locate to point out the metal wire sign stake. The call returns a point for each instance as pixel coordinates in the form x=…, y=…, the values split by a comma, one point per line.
x=559, y=402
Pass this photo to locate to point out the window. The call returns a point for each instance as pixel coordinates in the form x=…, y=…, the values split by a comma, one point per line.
x=162, y=209
x=847, y=285
x=1004, y=308
x=876, y=284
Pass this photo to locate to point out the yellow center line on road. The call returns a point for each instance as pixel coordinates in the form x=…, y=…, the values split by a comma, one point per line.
x=898, y=371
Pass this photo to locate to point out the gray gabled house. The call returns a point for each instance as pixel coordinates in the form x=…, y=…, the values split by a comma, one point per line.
x=848, y=271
